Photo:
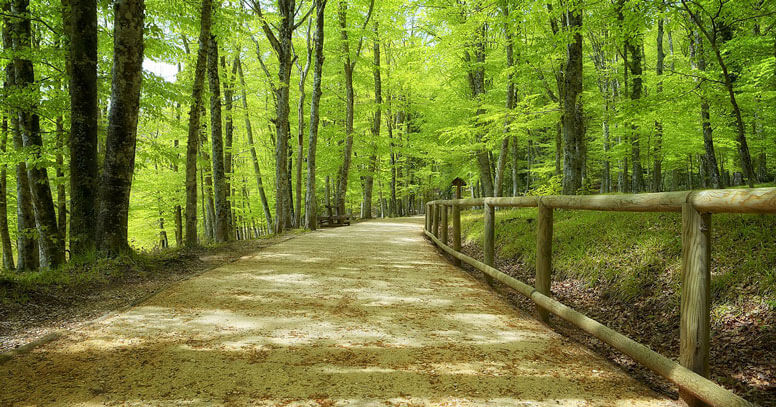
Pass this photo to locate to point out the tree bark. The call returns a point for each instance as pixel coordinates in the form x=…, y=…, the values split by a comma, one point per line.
x=369, y=179
x=710, y=160
x=51, y=245
x=310, y=204
x=217, y=145
x=573, y=125
x=5, y=236
x=83, y=125
x=254, y=156
x=633, y=44
x=283, y=46
x=121, y=140
x=228, y=137
x=349, y=66
x=26, y=244
x=503, y=156
x=300, y=129
x=657, y=151
x=476, y=77
x=192, y=141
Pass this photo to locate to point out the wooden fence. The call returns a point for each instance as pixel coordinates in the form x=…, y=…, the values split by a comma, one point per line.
x=691, y=373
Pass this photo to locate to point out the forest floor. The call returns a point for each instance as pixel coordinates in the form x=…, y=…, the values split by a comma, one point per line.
x=622, y=269
x=365, y=315
x=31, y=310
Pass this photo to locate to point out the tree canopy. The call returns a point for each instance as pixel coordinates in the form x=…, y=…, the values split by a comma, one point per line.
x=252, y=117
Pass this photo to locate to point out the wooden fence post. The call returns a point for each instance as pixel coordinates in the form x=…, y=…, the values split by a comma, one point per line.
x=444, y=225
x=694, y=327
x=428, y=214
x=436, y=221
x=543, y=256
x=489, y=246
x=456, y=232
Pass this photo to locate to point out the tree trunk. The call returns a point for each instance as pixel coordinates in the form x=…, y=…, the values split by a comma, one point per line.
x=573, y=126
x=192, y=141
x=657, y=151
x=209, y=210
x=228, y=137
x=119, y=165
x=51, y=246
x=503, y=156
x=743, y=147
x=217, y=145
x=26, y=245
x=300, y=129
x=282, y=44
x=342, y=178
x=60, y=173
x=633, y=44
x=708, y=139
x=515, y=168
x=5, y=236
x=376, y=122
x=83, y=125
x=254, y=156
x=310, y=203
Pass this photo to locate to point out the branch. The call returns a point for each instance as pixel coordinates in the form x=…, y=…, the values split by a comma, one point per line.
x=307, y=15
x=273, y=40
x=264, y=66
x=361, y=40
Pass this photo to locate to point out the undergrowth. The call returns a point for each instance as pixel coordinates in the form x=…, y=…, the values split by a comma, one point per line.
x=625, y=253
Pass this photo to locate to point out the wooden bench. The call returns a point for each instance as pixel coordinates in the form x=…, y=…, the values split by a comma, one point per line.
x=333, y=220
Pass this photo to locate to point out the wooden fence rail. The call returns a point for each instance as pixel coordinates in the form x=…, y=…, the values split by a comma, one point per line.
x=691, y=373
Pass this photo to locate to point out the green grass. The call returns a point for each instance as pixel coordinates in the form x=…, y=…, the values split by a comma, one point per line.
x=627, y=252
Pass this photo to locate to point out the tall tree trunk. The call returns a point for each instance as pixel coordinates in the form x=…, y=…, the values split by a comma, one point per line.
x=51, y=246
x=217, y=145
x=633, y=43
x=657, y=151
x=743, y=147
x=392, y=207
x=83, y=125
x=349, y=66
x=121, y=141
x=228, y=136
x=310, y=203
x=515, y=168
x=283, y=46
x=300, y=128
x=344, y=172
x=5, y=236
x=192, y=141
x=254, y=156
x=710, y=160
x=369, y=179
x=60, y=173
x=209, y=209
x=26, y=244
x=573, y=125
x=476, y=76
x=503, y=156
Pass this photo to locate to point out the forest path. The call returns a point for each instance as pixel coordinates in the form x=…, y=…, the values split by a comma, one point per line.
x=367, y=315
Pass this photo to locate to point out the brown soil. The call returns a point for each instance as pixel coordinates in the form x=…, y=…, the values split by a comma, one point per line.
x=366, y=315
x=45, y=310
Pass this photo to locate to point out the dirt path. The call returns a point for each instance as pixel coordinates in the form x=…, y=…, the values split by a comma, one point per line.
x=367, y=315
